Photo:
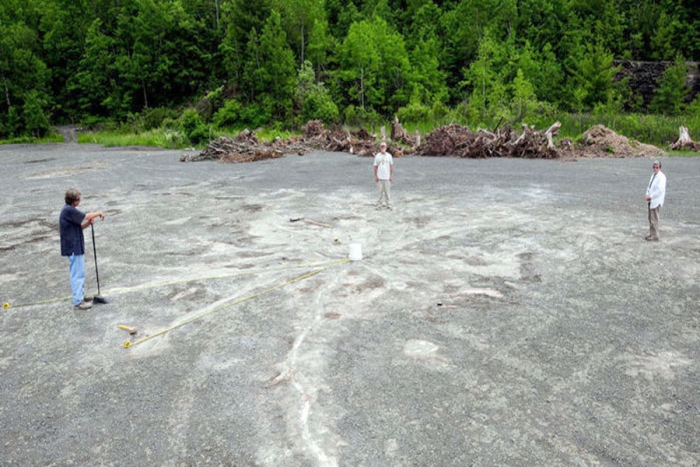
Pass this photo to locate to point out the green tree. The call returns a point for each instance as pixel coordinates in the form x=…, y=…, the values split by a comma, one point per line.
x=96, y=79
x=298, y=18
x=594, y=75
x=63, y=28
x=164, y=59
x=486, y=79
x=240, y=18
x=313, y=99
x=466, y=27
x=270, y=72
x=22, y=72
x=321, y=45
x=34, y=115
x=425, y=51
x=429, y=80
x=524, y=100
x=374, y=66
x=671, y=94
x=601, y=22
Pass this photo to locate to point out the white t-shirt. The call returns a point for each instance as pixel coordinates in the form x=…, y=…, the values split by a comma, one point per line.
x=383, y=163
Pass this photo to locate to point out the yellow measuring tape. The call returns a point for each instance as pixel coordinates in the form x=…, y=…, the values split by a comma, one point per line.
x=7, y=305
x=129, y=344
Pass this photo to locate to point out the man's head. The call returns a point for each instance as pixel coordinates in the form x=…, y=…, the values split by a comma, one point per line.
x=382, y=146
x=72, y=195
x=656, y=165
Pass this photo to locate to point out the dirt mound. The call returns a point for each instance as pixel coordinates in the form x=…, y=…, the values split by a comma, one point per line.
x=600, y=141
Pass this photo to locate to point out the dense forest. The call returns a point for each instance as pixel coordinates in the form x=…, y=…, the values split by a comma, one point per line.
x=235, y=63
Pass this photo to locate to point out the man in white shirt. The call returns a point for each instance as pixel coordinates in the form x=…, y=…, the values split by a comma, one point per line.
x=383, y=175
x=656, y=192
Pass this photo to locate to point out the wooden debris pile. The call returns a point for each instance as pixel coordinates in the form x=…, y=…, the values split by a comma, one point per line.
x=245, y=147
x=320, y=139
x=446, y=141
x=460, y=141
x=684, y=141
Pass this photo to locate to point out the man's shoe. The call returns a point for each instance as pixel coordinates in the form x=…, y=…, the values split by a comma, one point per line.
x=651, y=239
x=88, y=298
x=83, y=305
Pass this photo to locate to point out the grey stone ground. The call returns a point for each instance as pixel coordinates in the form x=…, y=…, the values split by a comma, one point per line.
x=563, y=337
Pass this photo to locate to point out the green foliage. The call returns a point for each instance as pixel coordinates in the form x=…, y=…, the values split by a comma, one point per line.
x=670, y=96
x=154, y=118
x=594, y=76
x=321, y=44
x=524, y=100
x=270, y=73
x=254, y=115
x=415, y=112
x=10, y=124
x=359, y=116
x=95, y=79
x=229, y=114
x=211, y=103
x=374, y=66
x=193, y=127
x=313, y=98
x=36, y=121
x=168, y=139
x=486, y=77
x=122, y=61
x=299, y=18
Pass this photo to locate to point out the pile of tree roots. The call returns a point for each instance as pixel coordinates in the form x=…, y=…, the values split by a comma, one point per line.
x=460, y=141
x=446, y=141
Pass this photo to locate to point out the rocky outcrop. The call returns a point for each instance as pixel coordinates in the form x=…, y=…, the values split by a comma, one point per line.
x=644, y=78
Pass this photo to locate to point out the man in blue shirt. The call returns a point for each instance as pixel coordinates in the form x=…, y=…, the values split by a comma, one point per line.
x=71, y=224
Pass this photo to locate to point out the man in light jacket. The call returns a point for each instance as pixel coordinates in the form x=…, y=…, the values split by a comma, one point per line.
x=383, y=175
x=656, y=192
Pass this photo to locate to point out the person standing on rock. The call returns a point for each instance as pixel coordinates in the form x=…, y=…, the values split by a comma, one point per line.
x=71, y=223
x=656, y=192
x=383, y=175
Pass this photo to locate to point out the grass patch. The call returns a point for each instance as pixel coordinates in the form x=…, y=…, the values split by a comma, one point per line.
x=161, y=138
x=48, y=139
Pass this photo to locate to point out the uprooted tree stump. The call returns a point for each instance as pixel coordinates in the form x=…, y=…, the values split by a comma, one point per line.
x=400, y=135
x=684, y=141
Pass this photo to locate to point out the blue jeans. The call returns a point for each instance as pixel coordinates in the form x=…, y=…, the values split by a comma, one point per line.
x=77, y=277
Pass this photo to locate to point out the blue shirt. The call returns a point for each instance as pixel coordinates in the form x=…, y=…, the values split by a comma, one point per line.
x=69, y=224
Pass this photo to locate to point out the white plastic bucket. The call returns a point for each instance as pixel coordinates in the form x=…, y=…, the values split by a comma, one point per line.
x=355, y=253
